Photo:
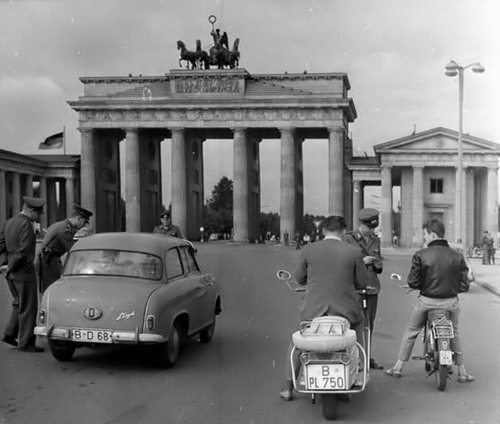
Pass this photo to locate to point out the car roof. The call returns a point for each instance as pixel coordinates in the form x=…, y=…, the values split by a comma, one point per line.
x=140, y=242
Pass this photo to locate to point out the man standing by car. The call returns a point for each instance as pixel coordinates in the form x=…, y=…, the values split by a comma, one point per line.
x=369, y=243
x=57, y=241
x=166, y=227
x=332, y=272
x=17, y=252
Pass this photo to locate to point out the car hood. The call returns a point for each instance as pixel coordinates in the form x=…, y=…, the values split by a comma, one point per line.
x=98, y=302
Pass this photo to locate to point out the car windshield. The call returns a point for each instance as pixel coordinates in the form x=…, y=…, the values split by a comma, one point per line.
x=113, y=262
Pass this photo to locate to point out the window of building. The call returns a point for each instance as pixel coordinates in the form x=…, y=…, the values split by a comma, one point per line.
x=436, y=185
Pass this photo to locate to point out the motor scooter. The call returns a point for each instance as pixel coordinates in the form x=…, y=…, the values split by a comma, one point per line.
x=437, y=339
x=332, y=364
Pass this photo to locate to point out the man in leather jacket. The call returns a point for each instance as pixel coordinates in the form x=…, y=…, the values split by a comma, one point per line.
x=440, y=273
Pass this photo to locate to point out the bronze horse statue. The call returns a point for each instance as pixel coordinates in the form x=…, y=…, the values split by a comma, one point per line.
x=189, y=56
x=202, y=57
x=221, y=56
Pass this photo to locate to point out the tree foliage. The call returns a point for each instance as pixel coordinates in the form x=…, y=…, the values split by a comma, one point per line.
x=218, y=214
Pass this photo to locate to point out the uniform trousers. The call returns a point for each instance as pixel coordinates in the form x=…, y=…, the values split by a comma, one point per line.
x=22, y=318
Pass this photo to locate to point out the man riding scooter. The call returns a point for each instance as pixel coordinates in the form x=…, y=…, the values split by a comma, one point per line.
x=332, y=272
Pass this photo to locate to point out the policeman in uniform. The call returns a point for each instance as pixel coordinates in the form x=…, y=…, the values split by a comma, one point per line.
x=369, y=243
x=57, y=241
x=17, y=253
x=166, y=227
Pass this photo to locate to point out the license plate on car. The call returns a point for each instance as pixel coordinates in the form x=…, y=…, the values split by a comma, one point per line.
x=91, y=336
x=325, y=377
x=445, y=357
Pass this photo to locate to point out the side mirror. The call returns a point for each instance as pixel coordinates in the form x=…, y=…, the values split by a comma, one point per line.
x=283, y=275
x=395, y=276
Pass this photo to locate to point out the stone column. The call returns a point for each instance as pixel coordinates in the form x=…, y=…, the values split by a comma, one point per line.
x=241, y=186
x=386, y=206
x=3, y=198
x=179, y=179
x=51, y=208
x=418, y=205
x=16, y=193
x=132, y=181
x=492, y=201
x=88, y=173
x=288, y=194
x=357, y=202
x=44, y=218
x=336, y=171
x=28, y=185
x=70, y=195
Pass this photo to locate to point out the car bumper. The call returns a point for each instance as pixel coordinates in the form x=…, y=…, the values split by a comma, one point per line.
x=125, y=337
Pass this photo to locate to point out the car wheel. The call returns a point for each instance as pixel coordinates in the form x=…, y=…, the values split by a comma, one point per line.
x=207, y=334
x=62, y=351
x=168, y=353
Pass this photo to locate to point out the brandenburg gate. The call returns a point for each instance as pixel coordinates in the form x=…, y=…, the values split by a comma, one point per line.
x=190, y=106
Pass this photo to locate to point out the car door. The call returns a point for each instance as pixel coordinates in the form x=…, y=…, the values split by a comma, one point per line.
x=192, y=294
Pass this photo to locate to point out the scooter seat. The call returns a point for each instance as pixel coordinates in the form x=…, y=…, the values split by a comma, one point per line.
x=325, y=334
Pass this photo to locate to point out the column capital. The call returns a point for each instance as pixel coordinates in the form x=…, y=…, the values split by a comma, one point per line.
x=287, y=129
x=85, y=130
x=337, y=129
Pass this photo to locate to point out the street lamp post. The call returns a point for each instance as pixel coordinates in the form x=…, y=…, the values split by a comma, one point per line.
x=452, y=70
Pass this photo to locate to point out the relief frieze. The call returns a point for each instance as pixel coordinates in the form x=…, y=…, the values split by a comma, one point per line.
x=207, y=85
x=217, y=115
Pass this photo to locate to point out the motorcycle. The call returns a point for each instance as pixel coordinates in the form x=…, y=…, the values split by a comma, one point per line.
x=437, y=339
x=332, y=364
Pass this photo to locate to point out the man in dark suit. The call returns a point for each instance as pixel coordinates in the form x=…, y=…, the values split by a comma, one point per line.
x=369, y=243
x=56, y=242
x=166, y=227
x=332, y=272
x=17, y=253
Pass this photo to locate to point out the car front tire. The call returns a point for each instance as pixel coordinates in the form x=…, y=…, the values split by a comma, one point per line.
x=207, y=334
x=62, y=351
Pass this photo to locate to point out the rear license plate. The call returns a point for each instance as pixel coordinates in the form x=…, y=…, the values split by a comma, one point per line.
x=91, y=336
x=325, y=377
x=445, y=357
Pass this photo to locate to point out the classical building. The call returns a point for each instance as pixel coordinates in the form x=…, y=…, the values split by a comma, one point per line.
x=423, y=167
x=190, y=106
x=415, y=175
x=53, y=177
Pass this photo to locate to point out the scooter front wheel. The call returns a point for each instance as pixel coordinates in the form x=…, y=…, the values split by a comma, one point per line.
x=330, y=406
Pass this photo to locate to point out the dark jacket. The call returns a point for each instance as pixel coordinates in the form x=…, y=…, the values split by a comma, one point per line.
x=439, y=271
x=369, y=247
x=18, y=246
x=333, y=271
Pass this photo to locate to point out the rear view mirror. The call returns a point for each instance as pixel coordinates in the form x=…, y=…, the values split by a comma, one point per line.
x=283, y=275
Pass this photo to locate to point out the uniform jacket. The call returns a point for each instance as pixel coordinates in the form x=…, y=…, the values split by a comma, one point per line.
x=18, y=246
x=370, y=247
x=57, y=241
x=332, y=270
x=171, y=230
x=439, y=271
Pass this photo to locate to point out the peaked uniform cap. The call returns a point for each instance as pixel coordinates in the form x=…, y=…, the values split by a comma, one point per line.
x=36, y=203
x=81, y=211
x=369, y=216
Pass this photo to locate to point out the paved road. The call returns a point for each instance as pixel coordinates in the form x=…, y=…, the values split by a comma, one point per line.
x=236, y=378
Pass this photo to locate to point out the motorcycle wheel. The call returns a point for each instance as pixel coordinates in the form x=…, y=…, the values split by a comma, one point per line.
x=441, y=373
x=330, y=406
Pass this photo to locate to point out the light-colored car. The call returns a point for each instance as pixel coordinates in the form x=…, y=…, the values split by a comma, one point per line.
x=129, y=288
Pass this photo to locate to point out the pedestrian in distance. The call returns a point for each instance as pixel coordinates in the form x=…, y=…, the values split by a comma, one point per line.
x=166, y=227
x=439, y=273
x=17, y=254
x=488, y=248
x=58, y=240
x=365, y=238
x=332, y=271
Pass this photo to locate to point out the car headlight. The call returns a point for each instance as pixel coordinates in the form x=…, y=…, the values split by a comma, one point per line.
x=42, y=316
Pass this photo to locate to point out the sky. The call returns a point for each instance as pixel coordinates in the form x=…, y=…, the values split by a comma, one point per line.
x=394, y=52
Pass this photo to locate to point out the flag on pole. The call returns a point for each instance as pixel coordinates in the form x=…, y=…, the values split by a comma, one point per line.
x=55, y=141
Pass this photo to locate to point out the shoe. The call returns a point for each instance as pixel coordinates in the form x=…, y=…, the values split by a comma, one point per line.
x=35, y=349
x=375, y=365
x=465, y=378
x=393, y=373
x=286, y=394
x=9, y=340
